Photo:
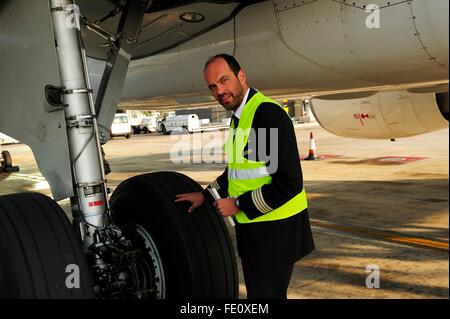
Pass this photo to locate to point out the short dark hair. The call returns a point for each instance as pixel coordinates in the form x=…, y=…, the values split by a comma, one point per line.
x=231, y=61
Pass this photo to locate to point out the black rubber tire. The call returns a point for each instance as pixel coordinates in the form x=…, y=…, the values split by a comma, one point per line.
x=37, y=243
x=196, y=250
x=7, y=159
x=165, y=132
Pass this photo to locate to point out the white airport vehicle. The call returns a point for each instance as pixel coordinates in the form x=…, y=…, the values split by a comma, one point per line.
x=149, y=124
x=161, y=126
x=65, y=68
x=190, y=123
x=181, y=123
x=136, y=117
x=121, y=125
x=214, y=126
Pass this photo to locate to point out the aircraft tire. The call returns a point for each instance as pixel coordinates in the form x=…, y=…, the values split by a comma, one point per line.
x=39, y=252
x=196, y=251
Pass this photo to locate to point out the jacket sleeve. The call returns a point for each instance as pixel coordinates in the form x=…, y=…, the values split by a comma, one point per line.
x=283, y=162
x=221, y=184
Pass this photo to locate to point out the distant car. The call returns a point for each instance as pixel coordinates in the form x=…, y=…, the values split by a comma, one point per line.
x=121, y=125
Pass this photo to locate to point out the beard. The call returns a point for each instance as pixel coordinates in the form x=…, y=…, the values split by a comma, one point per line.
x=231, y=101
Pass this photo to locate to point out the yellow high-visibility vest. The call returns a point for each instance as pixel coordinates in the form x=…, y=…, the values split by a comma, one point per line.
x=246, y=175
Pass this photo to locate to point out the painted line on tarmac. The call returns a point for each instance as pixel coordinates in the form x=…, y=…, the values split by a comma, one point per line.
x=385, y=235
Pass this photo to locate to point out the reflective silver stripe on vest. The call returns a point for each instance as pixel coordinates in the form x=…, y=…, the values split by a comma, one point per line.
x=248, y=173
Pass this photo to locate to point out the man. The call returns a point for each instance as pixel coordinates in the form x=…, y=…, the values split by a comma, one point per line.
x=264, y=196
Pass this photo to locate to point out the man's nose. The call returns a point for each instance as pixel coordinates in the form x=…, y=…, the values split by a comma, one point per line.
x=220, y=89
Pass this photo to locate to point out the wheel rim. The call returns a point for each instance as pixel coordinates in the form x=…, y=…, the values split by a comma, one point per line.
x=153, y=262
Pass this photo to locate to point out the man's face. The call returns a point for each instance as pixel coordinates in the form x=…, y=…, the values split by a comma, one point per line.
x=227, y=88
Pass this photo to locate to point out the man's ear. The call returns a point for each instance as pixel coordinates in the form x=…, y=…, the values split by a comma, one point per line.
x=242, y=77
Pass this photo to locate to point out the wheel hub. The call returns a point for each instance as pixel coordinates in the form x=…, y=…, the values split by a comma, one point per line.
x=126, y=264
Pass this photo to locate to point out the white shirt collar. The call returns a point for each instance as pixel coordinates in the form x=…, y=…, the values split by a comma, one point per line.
x=241, y=107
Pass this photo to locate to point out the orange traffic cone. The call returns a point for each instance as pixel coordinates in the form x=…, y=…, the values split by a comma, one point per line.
x=312, y=149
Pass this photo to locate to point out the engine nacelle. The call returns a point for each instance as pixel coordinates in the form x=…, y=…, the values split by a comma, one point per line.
x=381, y=115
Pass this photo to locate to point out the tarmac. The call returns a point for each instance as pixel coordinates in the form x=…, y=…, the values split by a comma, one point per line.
x=379, y=209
